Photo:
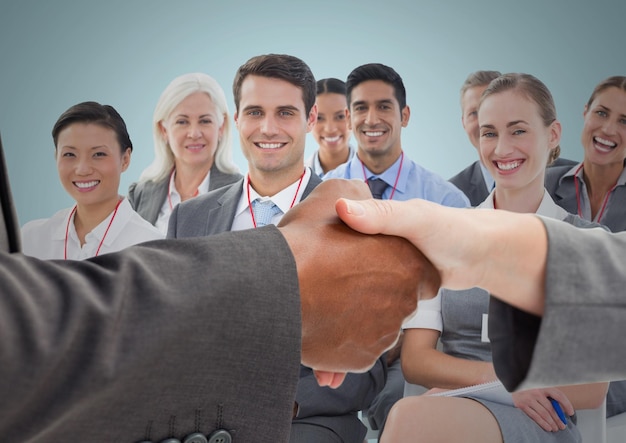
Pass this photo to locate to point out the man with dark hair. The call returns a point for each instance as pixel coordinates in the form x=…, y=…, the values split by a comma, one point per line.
x=377, y=113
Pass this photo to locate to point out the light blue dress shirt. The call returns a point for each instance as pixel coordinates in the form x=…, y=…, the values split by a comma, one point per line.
x=414, y=181
x=313, y=161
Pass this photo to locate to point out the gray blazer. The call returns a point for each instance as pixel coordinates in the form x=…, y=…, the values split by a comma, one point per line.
x=563, y=191
x=580, y=338
x=472, y=182
x=334, y=409
x=157, y=341
x=214, y=212
x=147, y=197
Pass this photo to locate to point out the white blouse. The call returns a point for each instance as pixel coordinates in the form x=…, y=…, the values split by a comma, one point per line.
x=46, y=238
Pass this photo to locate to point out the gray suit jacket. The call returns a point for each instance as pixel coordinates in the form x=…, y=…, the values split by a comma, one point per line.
x=563, y=191
x=472, y=182
x=157, y=341
x=214, y=212
x=335, y=409
x=580, y=338
x=147, y=197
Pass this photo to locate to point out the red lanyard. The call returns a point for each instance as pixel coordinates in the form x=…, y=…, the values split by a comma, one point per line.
x=67, y=229
x=290, y=206
x=169, y=191
x=395, y=183
x=606, y=197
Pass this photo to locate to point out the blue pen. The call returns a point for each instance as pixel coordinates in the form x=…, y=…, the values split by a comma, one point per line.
x=559, y=410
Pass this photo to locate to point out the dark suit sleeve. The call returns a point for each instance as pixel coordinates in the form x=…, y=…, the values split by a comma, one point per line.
x=9, y=227
x=579, y=339
x=169, y=328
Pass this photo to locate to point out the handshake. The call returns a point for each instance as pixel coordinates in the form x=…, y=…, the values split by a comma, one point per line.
x=356, y=289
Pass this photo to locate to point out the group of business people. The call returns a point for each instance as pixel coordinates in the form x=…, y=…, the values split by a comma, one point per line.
x=272, y=128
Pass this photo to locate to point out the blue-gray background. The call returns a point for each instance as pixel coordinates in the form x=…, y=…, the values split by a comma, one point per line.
x=54, y=54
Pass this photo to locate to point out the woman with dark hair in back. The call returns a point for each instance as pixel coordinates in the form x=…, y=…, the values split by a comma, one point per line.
x=331, y=131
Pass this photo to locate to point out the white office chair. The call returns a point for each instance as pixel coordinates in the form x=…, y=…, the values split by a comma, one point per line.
x=592, y=424
x=372, y=435
x=616, y=428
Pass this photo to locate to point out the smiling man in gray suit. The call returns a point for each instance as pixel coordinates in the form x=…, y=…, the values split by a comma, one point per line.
x=275, y=108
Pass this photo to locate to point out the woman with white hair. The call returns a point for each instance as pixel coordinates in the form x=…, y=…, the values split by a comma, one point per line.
x=192, y=145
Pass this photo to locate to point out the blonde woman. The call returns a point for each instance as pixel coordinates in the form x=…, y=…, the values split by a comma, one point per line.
x=192, y=147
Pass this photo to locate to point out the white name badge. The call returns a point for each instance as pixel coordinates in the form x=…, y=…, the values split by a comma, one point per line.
x=484, y=335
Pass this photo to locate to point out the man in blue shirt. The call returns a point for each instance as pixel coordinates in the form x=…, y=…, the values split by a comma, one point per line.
x=377, y=112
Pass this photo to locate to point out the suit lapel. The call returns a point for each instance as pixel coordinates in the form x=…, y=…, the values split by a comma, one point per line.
x=219, y=179
x=565, y=196
x=221, y=217
x=313, y=182
x=156, y=200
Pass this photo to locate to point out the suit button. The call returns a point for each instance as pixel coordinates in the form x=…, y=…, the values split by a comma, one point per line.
x=195, y=438
x=171, y=440
x=220, y=436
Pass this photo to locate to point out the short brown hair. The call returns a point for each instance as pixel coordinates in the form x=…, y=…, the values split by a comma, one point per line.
x=280, y=66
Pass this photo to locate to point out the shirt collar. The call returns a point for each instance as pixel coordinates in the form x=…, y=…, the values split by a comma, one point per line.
x=282, y=199
x=317, y=166
x=389, y=175
x=123, y=215
x=487, y=177
x=174, y=195
x=547, y=207
x=577, y=171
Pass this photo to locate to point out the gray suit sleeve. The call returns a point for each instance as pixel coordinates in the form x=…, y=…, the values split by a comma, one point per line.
x=184, y=328
x=579, y=339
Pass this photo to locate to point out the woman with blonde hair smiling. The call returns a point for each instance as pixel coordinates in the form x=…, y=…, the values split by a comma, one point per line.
x=192, y=147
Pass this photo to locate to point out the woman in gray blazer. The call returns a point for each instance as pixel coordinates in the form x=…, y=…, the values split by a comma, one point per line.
x=192, y=148
x=596, y=188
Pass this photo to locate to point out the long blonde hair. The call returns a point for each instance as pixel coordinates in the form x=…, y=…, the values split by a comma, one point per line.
x=179, y=89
